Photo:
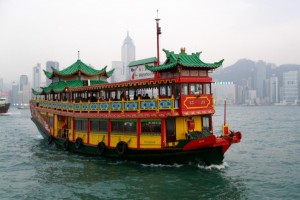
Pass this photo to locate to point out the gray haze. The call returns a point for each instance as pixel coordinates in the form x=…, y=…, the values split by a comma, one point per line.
x=35, y=31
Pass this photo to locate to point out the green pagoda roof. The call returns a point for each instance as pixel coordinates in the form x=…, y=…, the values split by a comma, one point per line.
x=62, y=85
x=75, y=68
x=143, y=61
x=183, y=59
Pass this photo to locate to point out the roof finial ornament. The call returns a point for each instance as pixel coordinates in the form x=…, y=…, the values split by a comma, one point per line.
x=78, y=55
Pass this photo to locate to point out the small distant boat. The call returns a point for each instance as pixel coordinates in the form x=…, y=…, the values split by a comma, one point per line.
x=23, y=106
x=4, y=106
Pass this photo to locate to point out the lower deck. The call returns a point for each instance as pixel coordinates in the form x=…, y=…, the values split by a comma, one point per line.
x=138, y=133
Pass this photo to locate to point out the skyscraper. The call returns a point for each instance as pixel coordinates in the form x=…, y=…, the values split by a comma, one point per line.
x=37, y=77
x=128, y=55
x=23, y=81
x=290, y=87
x=49, y=65
x=260, y=78
x=274, y=91
x=118, y=74
x=13, y=95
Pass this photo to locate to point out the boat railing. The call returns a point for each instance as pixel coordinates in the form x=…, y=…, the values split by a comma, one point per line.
x=138, y=105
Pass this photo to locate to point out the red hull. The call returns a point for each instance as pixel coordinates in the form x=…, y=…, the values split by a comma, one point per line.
x=4, y=108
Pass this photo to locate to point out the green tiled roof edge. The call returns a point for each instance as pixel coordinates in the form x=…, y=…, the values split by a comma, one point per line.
x=143, y=61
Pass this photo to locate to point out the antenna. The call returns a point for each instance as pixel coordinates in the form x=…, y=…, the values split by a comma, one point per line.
x=158, y=32
x=78, y=55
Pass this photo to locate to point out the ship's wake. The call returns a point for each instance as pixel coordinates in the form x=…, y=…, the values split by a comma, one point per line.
x=224, y=165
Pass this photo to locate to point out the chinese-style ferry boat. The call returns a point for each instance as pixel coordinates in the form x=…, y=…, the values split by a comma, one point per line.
x=162, y=115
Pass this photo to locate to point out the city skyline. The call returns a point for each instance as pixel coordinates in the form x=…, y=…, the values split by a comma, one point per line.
x=37, y=31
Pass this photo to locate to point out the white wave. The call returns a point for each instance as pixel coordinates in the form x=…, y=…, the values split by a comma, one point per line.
x=10, y=113
x=212, y=167
x=162, y=165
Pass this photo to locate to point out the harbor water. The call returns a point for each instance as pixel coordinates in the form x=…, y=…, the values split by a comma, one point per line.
x=265, y=165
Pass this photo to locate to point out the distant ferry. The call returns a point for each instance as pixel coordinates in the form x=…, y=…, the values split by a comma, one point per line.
x=162, y=115
x=3, y=105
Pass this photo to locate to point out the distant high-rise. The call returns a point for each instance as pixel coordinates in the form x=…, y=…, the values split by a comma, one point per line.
x=128, y=54
x=37, y=77
x=23, y=81
x=272, y=89
x=49, y=65
x=13, y=95
x=290, y=87
x=118, y=74
x=260, y=77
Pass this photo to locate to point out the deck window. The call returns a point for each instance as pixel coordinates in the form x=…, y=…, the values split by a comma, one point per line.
x=206, y=123
x=184, y=89
x=149, y=127
x=99, y=125
x=196, y=88
x=123, y=126
x=80, y=124
x=171, y=129
x=207, y=88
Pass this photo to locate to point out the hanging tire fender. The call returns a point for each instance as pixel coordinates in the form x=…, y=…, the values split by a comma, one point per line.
x=78, y=143
x=121, y=148
x=101, y=148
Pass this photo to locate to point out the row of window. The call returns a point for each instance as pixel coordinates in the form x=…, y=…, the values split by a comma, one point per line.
x=125, y=126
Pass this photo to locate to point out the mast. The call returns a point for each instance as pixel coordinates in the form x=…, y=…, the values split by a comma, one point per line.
x=158, y=32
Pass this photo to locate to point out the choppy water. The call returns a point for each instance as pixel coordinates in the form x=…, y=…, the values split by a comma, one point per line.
x=266, y=165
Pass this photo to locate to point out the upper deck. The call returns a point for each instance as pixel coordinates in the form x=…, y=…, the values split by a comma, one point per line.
x=181, y=86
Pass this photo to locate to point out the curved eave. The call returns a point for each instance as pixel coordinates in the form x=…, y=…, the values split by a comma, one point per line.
x=203, y=65
x=48, y=74
x=161, y=67
x=36, y=92
x=99, y=72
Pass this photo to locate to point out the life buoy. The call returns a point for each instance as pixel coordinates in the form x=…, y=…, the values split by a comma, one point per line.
x=121, y=148
x=66, y=145
x=78, y=143
x=50, y=139
x=101, y=148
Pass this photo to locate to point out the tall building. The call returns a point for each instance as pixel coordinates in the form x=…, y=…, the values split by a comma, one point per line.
x=274, y=90
x=261, y=75
x=37, y=77
x=128, y=54
x=49, y=65
x=118, y=74
x=23, y=81
x=290, y=87
x=13, y=94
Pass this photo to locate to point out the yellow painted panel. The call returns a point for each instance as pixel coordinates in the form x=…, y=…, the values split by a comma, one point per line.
x=181, y=128
x=149, y=141
x=115, y=139
x=198, y=123
x=95, y=138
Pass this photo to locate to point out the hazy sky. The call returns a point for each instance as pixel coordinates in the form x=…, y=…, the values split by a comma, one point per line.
x=35, y=31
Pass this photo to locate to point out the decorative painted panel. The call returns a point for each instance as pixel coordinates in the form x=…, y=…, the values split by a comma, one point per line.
x=131, y=106
x=165, y=104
